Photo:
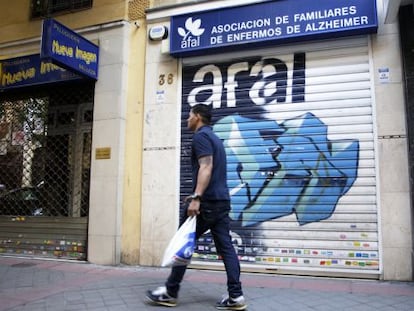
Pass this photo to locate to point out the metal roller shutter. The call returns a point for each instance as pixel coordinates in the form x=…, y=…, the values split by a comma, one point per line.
x=45, y=161
x=297, y=124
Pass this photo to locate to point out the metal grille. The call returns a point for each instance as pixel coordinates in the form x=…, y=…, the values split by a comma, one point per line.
x=136, y=9
x=45, y=147
x=42, y=8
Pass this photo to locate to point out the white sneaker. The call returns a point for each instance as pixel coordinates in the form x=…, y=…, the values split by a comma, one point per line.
x=228, y=303
x=160, y=297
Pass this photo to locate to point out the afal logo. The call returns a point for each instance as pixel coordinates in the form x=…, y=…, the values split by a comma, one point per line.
x=191, y=34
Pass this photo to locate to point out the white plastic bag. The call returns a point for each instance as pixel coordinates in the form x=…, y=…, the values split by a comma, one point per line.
x=181, y=247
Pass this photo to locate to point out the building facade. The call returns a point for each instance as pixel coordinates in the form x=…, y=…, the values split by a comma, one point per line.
x=70, y=144
x=311, y=103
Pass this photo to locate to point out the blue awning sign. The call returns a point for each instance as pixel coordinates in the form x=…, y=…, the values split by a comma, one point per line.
x=270, y=22
x=68, y=49
x=31, y=70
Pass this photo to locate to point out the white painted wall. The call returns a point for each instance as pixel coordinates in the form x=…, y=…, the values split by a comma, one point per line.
x=106, y=190
x=160, y=153
x=395, y=205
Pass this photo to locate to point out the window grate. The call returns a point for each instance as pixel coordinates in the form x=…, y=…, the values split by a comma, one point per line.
x=45, y=154
x=47, y=8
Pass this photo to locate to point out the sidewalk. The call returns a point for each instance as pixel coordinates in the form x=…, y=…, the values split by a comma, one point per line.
x=40, y=285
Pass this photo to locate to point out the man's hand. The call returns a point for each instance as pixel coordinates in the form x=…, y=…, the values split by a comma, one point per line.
x=193, y=208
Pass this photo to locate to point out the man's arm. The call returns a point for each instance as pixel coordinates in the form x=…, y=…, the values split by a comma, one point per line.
x=203, y=179
x=204, y=173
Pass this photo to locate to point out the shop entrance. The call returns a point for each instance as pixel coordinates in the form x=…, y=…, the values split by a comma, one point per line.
x=45, y=148
x=297, y=126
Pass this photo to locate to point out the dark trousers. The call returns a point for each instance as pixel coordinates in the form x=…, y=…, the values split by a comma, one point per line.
x=214, y=215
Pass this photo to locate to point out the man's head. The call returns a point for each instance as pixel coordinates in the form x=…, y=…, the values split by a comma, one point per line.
x=199, y=115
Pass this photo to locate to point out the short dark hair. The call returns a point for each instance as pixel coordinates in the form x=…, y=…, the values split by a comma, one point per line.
x=204, y=111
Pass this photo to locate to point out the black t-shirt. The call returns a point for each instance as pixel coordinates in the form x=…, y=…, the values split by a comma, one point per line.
x=206, y=143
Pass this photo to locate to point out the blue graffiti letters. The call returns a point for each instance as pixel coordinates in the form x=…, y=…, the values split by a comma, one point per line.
x=278, y=169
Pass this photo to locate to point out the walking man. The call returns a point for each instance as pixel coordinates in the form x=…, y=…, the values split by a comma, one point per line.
x=210, y=202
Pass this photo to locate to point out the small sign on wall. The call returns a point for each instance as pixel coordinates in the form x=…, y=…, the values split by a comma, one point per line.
x=384, y=75
x=103, y=153
x=160, y=98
